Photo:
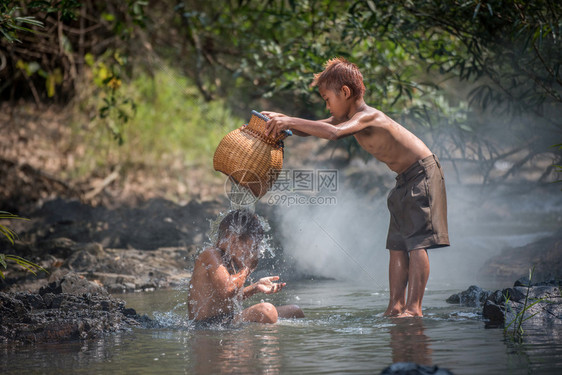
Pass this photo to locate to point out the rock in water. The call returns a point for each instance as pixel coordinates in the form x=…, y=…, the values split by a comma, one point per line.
x=72, y=283
x=543, y=307
x=410, y=368
x=494, y=313
x=474, y=296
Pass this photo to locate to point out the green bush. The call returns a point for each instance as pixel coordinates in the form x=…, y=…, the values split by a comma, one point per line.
x=11, y=236
x=170, y=123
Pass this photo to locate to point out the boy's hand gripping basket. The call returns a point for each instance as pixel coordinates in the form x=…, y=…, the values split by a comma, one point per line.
x=250, y=158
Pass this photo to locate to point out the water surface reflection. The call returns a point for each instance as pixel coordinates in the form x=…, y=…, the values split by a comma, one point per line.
x=344, y=332
x=234, y=351
x=409, y=342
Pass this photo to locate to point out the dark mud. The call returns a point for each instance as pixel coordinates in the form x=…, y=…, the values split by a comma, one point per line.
x=124, y=249
x=70, y=308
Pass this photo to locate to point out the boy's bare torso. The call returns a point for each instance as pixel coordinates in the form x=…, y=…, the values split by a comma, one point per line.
x=387, y=140
x=375, y=132
x=204, y=299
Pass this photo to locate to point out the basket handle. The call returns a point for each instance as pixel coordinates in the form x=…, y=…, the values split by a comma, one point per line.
x=265, y=118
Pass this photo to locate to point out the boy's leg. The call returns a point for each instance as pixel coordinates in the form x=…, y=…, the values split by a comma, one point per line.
x=263, y=312
x=417, y=280
x=289, y=311
x=397, y=279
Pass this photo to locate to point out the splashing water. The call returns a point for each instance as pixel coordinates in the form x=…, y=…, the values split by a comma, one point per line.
x=265, y=246
x=177, y=318
x=240, y=197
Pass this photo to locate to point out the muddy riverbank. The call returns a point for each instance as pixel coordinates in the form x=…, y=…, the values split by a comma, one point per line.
x=124, y=249
x=70, y=308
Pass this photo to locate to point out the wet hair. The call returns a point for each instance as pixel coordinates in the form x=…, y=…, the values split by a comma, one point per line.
x=243, y=223
x=339, y=72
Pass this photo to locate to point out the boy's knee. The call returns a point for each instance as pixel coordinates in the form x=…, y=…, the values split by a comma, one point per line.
x=290, y=311
x=296, y=312
x=268, y=313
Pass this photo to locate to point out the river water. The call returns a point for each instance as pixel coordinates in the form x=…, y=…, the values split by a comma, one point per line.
x=344, y=332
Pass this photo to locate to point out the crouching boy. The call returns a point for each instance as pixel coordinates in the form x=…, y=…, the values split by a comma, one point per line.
x=216, y=289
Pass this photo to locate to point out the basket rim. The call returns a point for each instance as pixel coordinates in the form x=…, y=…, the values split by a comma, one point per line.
x=265, y=118
x=272, y=142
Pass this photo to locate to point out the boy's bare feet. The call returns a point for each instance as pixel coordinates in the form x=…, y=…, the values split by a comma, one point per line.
x=409, y=314
x=393, y=311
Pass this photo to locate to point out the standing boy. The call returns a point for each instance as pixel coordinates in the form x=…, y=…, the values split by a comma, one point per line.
x=417, y=204
x=216, y=289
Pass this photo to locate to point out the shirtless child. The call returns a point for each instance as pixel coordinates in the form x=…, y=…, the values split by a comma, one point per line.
x=217, y=289
x=417, y=204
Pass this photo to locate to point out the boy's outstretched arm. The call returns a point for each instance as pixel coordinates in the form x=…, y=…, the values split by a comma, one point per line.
x=272, y=114
x=264, y=285
x=326, y=129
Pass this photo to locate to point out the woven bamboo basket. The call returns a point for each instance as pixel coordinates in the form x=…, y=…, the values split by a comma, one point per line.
x=249, y=158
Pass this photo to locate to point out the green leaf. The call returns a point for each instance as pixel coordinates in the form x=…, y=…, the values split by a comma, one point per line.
x=529, y=317
x=8, y=215
x=28, y=265
x=8, y=36
x=50, y=86
x=104, y=112
x=8, y=233
x=30, y=20
x=89, y=59
x=108, y=17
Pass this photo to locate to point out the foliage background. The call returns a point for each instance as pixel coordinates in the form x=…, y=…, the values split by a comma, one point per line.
x=154, y=85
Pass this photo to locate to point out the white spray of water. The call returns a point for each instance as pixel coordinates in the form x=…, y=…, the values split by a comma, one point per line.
x=342, y=241
x=241, y=198
x=347, y=241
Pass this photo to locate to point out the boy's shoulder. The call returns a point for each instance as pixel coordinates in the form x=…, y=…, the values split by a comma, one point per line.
x=368, y=112
x=210, y=255
x=368, y=116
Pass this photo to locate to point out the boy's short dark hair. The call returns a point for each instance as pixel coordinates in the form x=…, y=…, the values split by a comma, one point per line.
x=339, y=72
x=242, y=223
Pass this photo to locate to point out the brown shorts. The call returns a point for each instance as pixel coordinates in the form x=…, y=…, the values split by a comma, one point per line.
x=418, y=208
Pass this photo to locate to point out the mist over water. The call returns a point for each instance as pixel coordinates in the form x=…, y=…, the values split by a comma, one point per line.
x=346, y=241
